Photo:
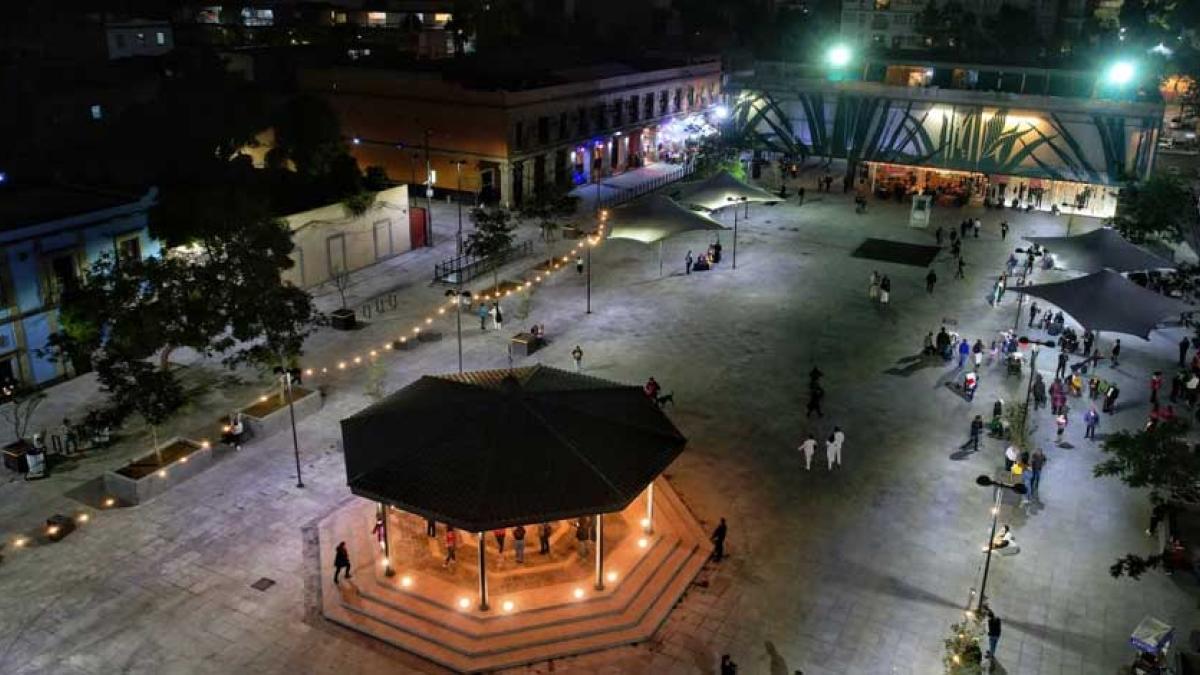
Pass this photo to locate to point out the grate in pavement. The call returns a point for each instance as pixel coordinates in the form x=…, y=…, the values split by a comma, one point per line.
x=262, y=584
x=896, y=252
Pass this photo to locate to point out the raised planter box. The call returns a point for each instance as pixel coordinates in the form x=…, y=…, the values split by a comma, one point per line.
x=343, y=319
x=144, y=478
x=271, y=415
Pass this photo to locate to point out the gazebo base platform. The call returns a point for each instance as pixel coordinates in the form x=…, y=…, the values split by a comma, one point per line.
x=545, y=609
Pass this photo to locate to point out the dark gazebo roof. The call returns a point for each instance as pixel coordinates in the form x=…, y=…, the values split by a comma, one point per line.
x=498, y=448
x=1107, y=301
x=1100, y=249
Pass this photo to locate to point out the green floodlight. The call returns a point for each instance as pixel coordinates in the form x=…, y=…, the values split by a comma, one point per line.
x=838, y=56
x=1121, y=73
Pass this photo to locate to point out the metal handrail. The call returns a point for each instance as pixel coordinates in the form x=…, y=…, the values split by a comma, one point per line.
x=466, y=266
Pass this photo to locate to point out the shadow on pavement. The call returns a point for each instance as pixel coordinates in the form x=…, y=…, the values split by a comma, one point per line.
x=778, y=663
x=914, y=363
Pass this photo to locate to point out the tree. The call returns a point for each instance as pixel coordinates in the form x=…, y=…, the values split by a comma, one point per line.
x=492, y=238
x=1160, y=207
x=22, y=403
x=1159, y=458
x=308, y=133
x=134, y=385
x=549, y=209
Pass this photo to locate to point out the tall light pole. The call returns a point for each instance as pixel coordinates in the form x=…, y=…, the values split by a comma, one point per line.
x=592, y=240
x=986, y=481
x=428, y=194
x=459, y=295
x=734, y=201
x=285, y=377
x=1029, y=389
x=458, y=246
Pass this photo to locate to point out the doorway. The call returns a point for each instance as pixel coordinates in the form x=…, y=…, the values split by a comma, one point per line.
x=383, y=239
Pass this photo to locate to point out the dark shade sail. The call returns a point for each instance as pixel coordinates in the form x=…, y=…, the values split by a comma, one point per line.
x=1107, y=301
x=499, y=448
x=716, y=192
x=1100, y=249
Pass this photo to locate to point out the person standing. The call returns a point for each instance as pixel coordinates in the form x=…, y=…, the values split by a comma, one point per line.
x=581, y=538
x=800, y=196
x=498, y=316
x=1110, y=398
x=833, y=447
x=577, y=355
x=977, y=226
x=500, y=534
x=1116, y=353
x=1061, y=371
x=1090, y=419
x=809, y=448
x=728, y=667
x=885, y=289
x=873, y=288
x=519, y=542
x=815, y=394
x=687, y=263
x=977, y=353
x=964, y=350
x=976, y=432
x=341, y=561
x=1003, y=230
x=718, y=540
x=451, y=546
x=1036, y=463
x=993, y=630
x=1033, y=313
x=483, y=315
x=1183, y=350
x=1088, y=338
x=544, y=533
x=1155, y=385
x=930, y=280
x=939, y=234
x=1157, y=515
x=1039, y=392
x=579, y=264
x=962, y=265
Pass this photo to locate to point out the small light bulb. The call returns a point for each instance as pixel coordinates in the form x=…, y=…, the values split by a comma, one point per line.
x=464, y=603
x=205, y=445
x=324, y=370
x=262, y=399
x=308, y=372
x=508, y=605
x=110, y=502
x=358, y=359
x=578, y=594
x=645, y=522
x=611, y=576
x=428, y=320
x=341, y=365
x=20, y=542
x=643, y=542
x=82, y=518
x=406, y=581
x=52, y=530
x=183, y=460
x=162, y=473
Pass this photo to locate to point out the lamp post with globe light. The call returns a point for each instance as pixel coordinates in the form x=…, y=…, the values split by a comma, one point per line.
x=986, y=481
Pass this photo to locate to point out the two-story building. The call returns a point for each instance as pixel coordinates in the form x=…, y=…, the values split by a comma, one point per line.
x=510, y=137
x=49, y=234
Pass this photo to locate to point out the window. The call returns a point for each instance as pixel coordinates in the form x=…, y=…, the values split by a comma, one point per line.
x=562, y=125
x=879, y=22
x=120, y=41
x=160, y=38
x=618, y=114
x=97, y=112
x=141, y=39
x=543, y=130
x=648, y=105
x=883, y=5
x=897, y=42
x=662, y=102
x=376, y=19
x=633, y=108
x=62, y=275
x=691, y=97
x=581, y=127
x=600, y=117
x=519, y=135
x=129, y=247
x=678, y=99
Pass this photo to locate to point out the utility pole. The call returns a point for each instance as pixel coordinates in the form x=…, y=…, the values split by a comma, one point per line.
x=428, y=194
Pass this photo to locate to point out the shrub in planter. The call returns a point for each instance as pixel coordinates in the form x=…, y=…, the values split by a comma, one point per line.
x=964, y=656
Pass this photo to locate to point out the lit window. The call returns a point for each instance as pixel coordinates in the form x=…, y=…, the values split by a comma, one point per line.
x=442, y=18
x=97, y=112
x=141, y=38
x=881, y=5
x=160, y=38
x=376, y=18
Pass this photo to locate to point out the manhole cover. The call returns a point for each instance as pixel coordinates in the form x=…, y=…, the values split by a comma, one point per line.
x=262, y=584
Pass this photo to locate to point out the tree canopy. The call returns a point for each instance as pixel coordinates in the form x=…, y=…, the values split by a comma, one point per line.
x=1161, y=207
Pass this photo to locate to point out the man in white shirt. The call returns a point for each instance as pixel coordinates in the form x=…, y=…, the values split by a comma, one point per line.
x=833, y=447
x=808, y=447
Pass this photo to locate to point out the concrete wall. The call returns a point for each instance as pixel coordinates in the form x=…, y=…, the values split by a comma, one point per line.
x=330, y=240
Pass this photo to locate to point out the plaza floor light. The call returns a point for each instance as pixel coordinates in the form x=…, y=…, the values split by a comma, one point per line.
x=997, y=486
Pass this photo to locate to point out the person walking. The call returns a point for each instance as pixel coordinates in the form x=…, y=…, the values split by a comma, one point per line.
x=1110, y=398
x=833, y=447
x=976, y=432
x=993, y=631
x=809, y=448
x=341, y=561
x=1116, y=353
x=885, y=290
x=579, y=264
x=1157, y=514
x=1003, y=230
x=451, y=546
x=577, y=356
x=498, y=316
x=1060, y=424
x=1183, y=350
x=1061, y=371
x=964, y=350
x=800, y=196
x=1033, y=313
x=1155, y=385
x=1090, y=419
x=687, y=263
x=728, y=667
x=519, y=543
x=483, y=315
x=581, y=538
x=500, y=534
x=718, y=541
x=544, y=532
x=873, y=288
x=930, y=280
x=1088, y=338
x=939, y=234
x=1036, y=463
x=962, y=265
x=977, y=226
x=815, y=394
x=1039, y=392
x=977, y=353
x=956, y=248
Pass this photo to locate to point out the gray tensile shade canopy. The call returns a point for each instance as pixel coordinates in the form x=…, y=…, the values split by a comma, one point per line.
x=1100, y=249
x=499, y=448
x=1107, y=301
x=715, y=192
x=656, y=218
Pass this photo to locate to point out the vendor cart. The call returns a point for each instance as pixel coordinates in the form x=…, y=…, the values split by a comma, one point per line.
x=1152, y=638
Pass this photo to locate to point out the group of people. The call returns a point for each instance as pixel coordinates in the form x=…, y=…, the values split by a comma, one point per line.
x=879, y=288
x=494, y=311
x=704, y=261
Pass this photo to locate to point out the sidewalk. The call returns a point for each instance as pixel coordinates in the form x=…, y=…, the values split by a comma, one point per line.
x=614, y=189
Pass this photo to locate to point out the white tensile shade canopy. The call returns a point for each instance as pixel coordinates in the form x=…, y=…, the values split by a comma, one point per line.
x=1100, y=249
x=656, y=219
x=716, y=192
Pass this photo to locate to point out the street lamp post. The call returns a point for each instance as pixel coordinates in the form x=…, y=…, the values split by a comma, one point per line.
x=428, y=193
x=986, y=481
x=591, y=243
x=459, y=295
x=1029, y=389
x=285, y=376
x=458, y=242
x=734, y=201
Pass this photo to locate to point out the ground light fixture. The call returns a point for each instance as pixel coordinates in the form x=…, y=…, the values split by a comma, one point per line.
x=1121, y=73
x=578, y=593
x=464, y=603
x=838, y=56
x=406, y=581
x=508, y=606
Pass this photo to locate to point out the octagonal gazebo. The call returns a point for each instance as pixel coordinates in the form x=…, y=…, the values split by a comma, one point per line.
x=495, y=449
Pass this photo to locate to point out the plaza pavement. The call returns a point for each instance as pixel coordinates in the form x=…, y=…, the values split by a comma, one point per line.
x=856, y=571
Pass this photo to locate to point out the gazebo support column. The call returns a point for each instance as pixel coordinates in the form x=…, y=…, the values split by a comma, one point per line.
x=387, y=543
x=483, y=589
x=649, y=529
x=660, y=252
x=599, y=551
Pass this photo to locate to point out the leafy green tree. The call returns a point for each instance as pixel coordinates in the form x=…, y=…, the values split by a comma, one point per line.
x=134, y=385
x=308, y=132
x=1160, y=207
x=1161, y=459
x=550, y=208
x=492, y=238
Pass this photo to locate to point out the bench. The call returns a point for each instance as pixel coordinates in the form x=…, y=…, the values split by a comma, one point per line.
x=525, y=344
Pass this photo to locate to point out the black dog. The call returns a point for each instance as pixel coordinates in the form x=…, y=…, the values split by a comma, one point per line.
x=663, y=400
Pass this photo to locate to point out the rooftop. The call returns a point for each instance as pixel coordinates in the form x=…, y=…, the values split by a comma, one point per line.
x=23, y=205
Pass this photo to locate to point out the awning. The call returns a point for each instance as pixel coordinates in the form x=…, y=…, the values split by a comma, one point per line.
x=1107, y=301
x=1100, y=249
x=723, y=189
x=499, y=448
x=656, y=218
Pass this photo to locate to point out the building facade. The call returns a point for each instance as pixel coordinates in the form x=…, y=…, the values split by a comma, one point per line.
x=577, y=126
x=48, y=237
x=1027, y=138
x=893, y=24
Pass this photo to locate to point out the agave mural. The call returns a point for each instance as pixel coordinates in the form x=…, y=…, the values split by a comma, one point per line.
x=967, y=138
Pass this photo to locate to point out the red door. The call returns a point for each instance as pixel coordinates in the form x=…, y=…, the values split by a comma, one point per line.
x=416, y=226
